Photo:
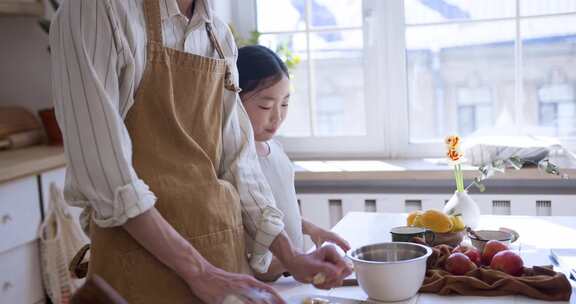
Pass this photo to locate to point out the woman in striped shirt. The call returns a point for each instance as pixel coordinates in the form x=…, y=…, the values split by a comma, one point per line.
x=161, y=154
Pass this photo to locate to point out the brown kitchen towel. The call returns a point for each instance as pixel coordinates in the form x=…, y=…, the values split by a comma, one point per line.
x=538, y=282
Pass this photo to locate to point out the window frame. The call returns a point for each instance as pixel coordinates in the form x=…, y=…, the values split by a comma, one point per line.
x=386, y=84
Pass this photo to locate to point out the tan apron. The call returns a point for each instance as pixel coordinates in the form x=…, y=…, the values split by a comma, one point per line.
x=176, y=129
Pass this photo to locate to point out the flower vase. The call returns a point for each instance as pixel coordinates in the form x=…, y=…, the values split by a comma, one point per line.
x=461, y=203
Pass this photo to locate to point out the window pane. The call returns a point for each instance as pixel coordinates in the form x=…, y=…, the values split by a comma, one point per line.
x=280, y=15
x=428, y=11
x=549, y=49
x=539, y=7
x=458, y=75
x=335, y=13
x=338, y=83
x=298, y=120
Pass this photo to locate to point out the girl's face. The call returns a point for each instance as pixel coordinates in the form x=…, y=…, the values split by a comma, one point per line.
x=267, y=108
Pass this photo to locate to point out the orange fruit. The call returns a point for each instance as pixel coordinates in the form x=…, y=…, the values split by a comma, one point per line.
x=436, y=221
x=457, y=223
x=412, y=217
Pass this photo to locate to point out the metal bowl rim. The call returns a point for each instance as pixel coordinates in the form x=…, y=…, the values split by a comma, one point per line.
x=485, y=241
x=357, y=260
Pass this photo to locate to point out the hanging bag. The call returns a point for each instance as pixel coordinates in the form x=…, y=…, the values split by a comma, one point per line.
x=60, y=238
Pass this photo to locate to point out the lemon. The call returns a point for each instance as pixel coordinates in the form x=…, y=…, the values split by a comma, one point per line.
x=418, y=221
x=457, y=223
x=436, y=221
x=412, y=217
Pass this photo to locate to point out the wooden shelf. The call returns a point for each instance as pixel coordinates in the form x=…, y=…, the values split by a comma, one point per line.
x=29, y=161
x=21, y=8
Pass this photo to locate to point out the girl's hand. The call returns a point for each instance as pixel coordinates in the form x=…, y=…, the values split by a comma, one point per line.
x=319, y=236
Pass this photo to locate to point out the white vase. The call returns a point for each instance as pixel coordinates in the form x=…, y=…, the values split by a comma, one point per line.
x=462, y=203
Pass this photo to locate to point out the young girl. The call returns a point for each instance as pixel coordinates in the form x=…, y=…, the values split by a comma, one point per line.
x=265, y=94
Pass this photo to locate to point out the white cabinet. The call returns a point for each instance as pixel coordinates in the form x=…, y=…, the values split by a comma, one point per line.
x=20, y=272
x=19, y=212
x=20, y=275
x=21, y=204
x=21, y=7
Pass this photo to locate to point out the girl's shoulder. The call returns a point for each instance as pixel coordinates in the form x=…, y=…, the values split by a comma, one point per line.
x=275, y=146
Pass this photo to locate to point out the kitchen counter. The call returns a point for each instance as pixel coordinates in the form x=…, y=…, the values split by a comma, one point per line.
x=408, y=169
x=29, y=161
x=534, y=246
x=423, y=176
x=429, y=172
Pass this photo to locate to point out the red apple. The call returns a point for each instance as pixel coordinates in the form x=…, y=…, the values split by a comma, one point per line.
x=459, y=264
x=471, y=252
x=508, y=261
x=491, y=248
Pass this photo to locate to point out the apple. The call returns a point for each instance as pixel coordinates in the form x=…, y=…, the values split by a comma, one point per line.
x=471, y=252
x=491, y=248
x=459, y=264
x=509, y=262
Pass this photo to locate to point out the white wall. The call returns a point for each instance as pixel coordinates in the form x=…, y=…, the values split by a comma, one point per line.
x=223, y=9
x=25, y=61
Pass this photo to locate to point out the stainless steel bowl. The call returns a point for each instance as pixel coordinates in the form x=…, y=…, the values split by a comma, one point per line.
x=390, y=271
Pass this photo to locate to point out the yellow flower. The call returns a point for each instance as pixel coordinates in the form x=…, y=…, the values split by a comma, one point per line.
x=453, y=141
x=454, y=155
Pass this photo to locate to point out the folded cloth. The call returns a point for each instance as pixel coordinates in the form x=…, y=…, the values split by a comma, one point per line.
x=538, y=282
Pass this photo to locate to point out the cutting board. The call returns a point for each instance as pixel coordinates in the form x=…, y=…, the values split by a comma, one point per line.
x=15, y=120
x=304, y=299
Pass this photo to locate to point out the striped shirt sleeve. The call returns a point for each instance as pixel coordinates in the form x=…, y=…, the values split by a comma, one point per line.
x=241, y=167
x=88, y=68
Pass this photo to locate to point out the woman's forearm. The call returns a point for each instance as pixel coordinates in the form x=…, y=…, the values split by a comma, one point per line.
x=157, y=236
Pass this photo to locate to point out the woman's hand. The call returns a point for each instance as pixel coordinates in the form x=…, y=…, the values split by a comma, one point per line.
x=319, y=236
x=324, y=268
x=216, y=286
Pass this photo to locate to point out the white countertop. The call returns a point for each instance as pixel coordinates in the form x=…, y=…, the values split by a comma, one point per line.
x=537, y=236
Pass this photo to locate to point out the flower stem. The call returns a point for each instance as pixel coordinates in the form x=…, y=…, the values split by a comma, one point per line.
x=459, y=178
x=456, y=178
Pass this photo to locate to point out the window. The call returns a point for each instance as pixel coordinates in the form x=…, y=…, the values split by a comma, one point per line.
x=393, y=78
x=329, y=82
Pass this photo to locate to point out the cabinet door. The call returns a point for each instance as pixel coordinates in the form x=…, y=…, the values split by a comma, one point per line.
x=20, y=275
x=57, y=176
x=19, y=212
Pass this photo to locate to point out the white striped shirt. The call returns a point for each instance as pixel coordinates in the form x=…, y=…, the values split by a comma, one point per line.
x=98, y=57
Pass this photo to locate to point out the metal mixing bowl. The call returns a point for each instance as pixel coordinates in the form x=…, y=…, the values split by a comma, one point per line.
x=390, y=271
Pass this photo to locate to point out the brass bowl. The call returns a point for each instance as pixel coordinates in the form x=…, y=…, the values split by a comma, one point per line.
x=449, y=238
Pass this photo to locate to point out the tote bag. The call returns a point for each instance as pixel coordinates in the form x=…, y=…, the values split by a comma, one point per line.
x=60, y=238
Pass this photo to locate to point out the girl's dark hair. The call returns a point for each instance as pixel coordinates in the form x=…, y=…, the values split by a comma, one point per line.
x=259, y=68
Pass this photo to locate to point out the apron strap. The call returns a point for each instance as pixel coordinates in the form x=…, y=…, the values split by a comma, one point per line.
x=214, y=41
x=153, y=21
x=77, y=266
x=228, y=83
